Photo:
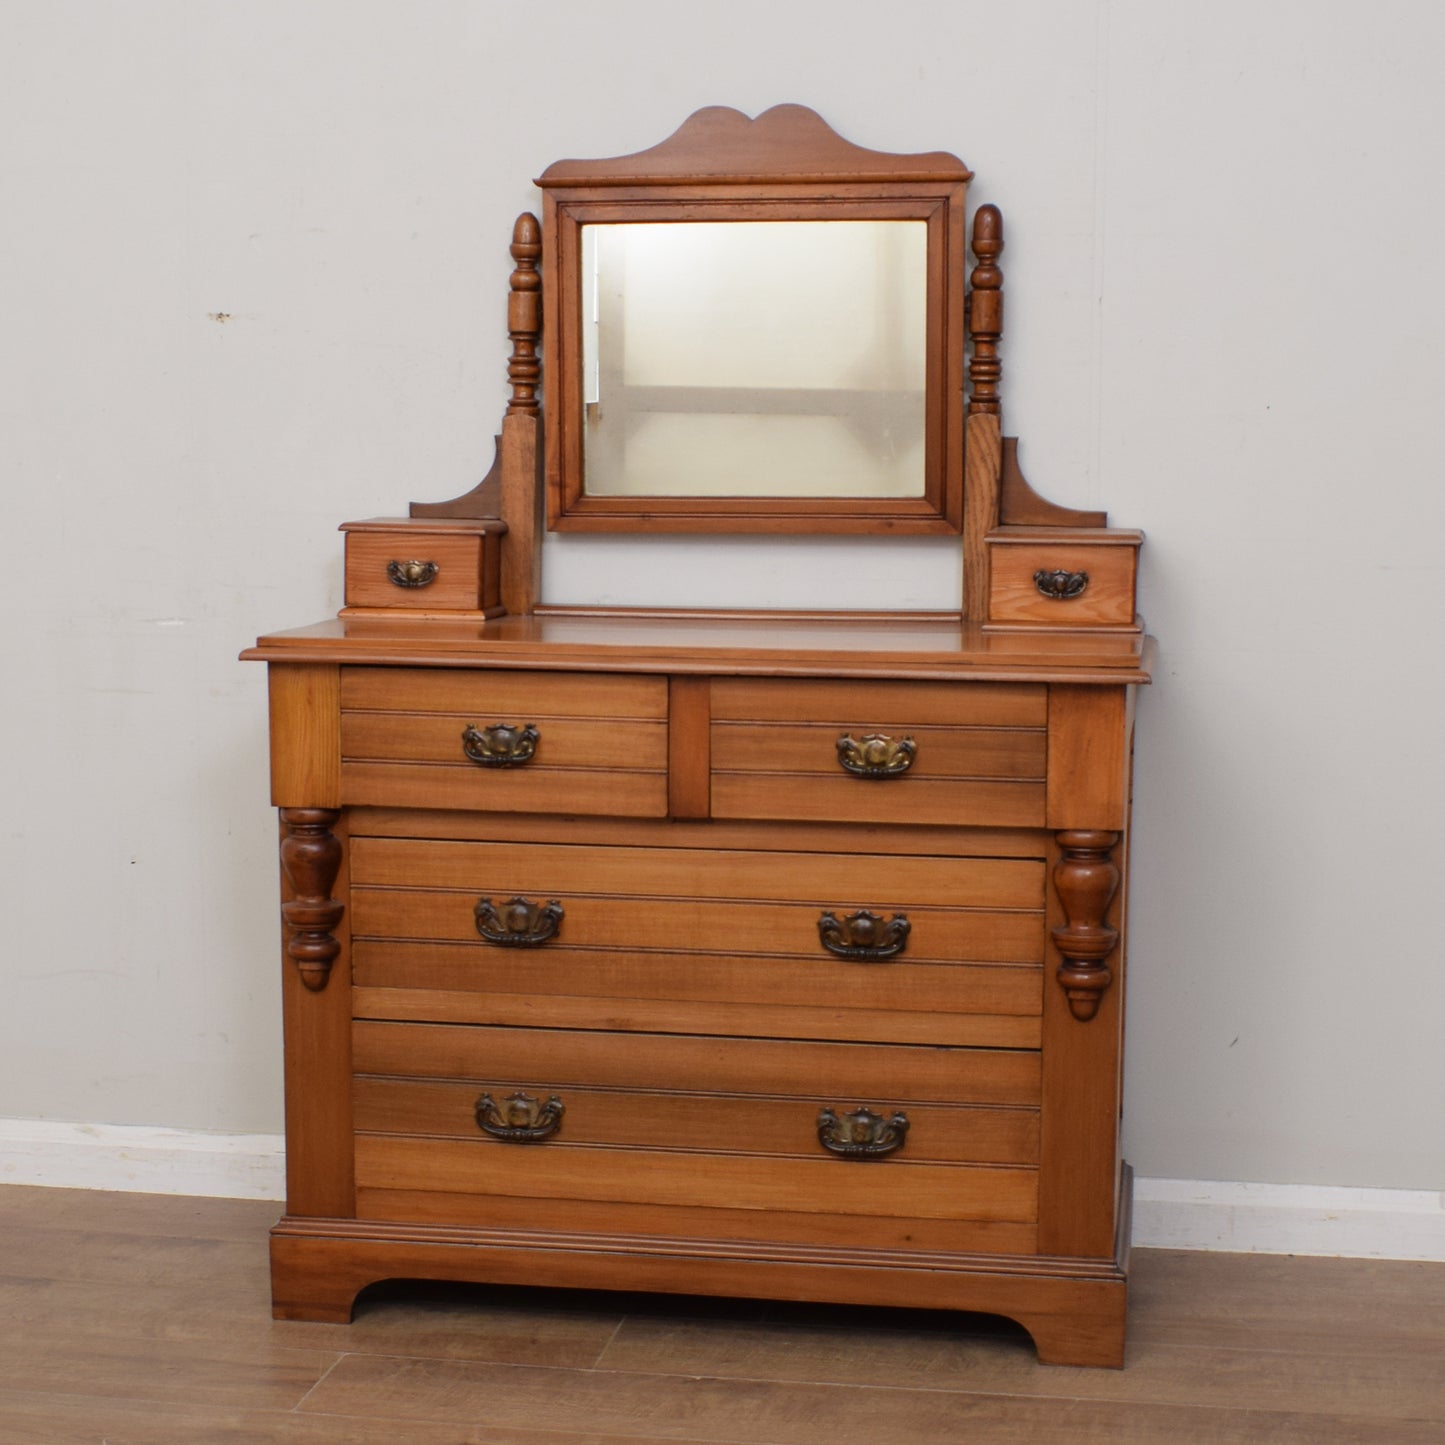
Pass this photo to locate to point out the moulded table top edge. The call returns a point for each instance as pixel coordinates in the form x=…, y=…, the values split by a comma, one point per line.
x=763, y=647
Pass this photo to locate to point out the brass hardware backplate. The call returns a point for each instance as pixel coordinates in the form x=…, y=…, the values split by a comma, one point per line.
x=1060, y=585
x=876, y=755
x=502, y=745
x=518, y=923
x=863, y=935
x=861, y=1134
x=520, y=1119
x=413, y=573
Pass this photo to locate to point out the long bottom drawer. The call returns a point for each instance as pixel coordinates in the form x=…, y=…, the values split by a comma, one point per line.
x=691, y=1136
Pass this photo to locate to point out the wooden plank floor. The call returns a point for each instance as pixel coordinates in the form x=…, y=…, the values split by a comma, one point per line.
x=136, y=1319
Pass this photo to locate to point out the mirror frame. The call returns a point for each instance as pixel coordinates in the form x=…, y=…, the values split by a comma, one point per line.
x=788, y=164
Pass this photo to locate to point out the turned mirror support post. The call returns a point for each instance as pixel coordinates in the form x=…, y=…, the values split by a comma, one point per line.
x=982, y=447
x=512, y=487
x=520, y=455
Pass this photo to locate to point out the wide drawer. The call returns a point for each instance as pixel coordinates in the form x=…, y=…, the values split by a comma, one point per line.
x=504, y=741
x=729, y=942
x=699, y=1124
x=879, y=752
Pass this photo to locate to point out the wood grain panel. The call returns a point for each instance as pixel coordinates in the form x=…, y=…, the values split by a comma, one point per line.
x=774, y=1226
x=899, y=1026
x=941, y=752
x=562, y=742
x=553, y=1058
x=822, y=983
x=689, y=703
x=874, y=705
x=938, y=801
x=659, y=1177
x=317, y=1050
x=1082, y=1077
x=554, y=694
x=305, y=741
x=943, y=935
x=994, y=883
x=1089, y=756
x=506, y=790
x=520, y=460
x=937, y=1134
x=981, y=468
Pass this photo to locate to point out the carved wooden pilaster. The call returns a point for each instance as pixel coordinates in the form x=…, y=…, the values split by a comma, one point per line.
x=1086, y=879
x=985, y=311
x=311, y=859
x=524, y=315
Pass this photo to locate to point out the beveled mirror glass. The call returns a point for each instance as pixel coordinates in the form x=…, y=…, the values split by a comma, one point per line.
x=811, y=379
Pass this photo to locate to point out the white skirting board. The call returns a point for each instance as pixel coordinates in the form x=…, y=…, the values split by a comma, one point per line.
x=1168, y=1213
x=1289, y=1219
x=142, y=1160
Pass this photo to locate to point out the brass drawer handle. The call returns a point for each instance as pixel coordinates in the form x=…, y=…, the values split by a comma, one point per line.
x=861, y=1134
x=521, y=1119
x=501, y=745
x=517, y=923
x=864, y=935
x=876, y=755
x=413, y=573
x=1060, y=586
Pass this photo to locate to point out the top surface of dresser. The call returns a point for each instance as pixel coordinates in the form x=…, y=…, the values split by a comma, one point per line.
x=744, y=645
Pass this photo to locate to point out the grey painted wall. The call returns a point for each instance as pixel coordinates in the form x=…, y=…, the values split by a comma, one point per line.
x=256, y=258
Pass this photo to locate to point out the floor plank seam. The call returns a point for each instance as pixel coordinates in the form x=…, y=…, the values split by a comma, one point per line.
x=316, y=1383
x=596, y=1364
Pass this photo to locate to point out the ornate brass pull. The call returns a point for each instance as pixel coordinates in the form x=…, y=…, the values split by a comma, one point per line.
x=500, y=746
x=864, y=935
x=1060, y=586
x=861, y=1134
x=518, y=923
x=412, y=573
x=521, y=1119
x=876, y=756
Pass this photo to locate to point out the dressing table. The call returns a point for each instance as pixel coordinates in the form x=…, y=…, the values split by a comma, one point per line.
x=753, y=954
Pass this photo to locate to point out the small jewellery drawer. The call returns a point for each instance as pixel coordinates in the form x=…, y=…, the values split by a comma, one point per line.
x=505, y=742
x=879, y=752
x=1050, y=577
x=414, y=566
x=803, y=945
x=727, y=1127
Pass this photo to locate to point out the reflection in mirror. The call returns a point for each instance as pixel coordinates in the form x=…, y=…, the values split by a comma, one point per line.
x=754, y=358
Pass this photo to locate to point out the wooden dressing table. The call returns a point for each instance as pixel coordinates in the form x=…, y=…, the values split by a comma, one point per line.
x=735, y=953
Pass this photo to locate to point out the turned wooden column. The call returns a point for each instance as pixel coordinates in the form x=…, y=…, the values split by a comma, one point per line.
x=1086, y=879
x=311, y=859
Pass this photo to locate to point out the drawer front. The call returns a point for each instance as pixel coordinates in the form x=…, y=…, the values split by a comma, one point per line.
x=454, y=565
x=1091, y=586
x=728, y=942
x=866, y=752
x=938, y=1133
x=699, y=1125
x=514, y=742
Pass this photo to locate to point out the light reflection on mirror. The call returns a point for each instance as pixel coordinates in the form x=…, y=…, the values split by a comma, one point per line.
x=754, y=358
